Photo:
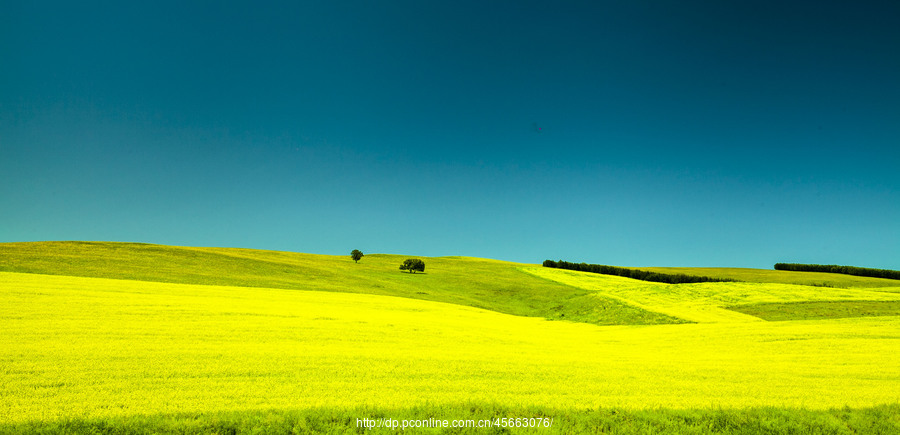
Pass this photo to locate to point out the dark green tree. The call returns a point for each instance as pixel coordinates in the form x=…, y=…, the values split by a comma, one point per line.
x=356, y=254
x=413, y=265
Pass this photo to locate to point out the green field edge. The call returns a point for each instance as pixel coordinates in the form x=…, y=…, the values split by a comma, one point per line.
x=815, y=310
x=880, y=419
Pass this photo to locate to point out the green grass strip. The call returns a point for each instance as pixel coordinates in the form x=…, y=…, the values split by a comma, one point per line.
x=884, y=419
x=819, y=310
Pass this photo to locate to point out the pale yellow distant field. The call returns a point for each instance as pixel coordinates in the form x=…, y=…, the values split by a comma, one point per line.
x=705, y=302
x=92, y=347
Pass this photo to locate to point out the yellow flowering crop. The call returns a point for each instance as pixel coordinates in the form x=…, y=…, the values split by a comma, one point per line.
x=94, y=347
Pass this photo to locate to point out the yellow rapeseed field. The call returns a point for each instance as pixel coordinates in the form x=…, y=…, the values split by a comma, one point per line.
x=78, y=347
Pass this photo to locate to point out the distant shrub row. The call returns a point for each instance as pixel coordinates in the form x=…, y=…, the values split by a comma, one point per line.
x=642, y=275
x=846, y=270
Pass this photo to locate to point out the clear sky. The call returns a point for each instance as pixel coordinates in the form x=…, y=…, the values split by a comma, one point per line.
x=633, y=133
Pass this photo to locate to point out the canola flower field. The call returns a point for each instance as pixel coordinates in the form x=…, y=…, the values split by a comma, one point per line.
x=106, y=349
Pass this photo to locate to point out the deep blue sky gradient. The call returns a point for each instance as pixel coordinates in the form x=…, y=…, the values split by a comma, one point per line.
x=688, y=133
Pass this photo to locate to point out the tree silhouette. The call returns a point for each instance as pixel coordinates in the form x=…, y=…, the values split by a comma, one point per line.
x=413, y=265
x=356, y=254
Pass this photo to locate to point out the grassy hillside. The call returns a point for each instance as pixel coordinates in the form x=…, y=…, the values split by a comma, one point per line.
x=489, y=284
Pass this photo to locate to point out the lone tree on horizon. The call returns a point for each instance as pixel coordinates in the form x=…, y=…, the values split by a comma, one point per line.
x=356, y=254
x=412, y=265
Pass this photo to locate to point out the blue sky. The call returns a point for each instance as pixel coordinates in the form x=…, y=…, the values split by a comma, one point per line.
x=628, y=133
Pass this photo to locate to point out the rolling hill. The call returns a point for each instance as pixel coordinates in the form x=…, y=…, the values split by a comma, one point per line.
x=129, y=337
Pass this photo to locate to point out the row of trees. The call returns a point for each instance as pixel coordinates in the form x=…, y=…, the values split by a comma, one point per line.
x=846, y=270
x=412, y=265
x=642, y=275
